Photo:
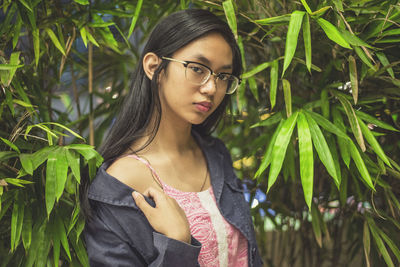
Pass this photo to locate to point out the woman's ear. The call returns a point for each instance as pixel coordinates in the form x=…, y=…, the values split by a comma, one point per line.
x=150, y=63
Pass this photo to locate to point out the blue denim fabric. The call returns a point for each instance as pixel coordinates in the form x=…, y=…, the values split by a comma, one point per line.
x=120, y=235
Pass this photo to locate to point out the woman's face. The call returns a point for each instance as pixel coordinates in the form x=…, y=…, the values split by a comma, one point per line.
x=183, y=101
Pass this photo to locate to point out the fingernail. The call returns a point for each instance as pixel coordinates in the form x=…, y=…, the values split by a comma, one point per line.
x=135, y=194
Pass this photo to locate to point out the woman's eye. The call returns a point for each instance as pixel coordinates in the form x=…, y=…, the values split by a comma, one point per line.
x=197, y=69
x=223, y=77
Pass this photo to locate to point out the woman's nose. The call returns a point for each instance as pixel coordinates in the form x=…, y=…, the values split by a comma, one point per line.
x=210, y=87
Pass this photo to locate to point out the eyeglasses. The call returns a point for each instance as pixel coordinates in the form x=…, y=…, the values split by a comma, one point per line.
x=199, y=74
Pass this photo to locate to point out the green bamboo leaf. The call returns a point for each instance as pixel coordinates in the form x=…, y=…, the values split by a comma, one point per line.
x=80, y=251
x=38, y=233
x=230, y=15
x=10, y=144
x=9, y=98
x=273, y=119
x=22, y=94
x=25, y=4
x=361, y=54
x=332, y=32
x=17, y=218
x=60, y=228
x=306, y=158
x=307, y=42
x=27, y=229
x=82, y=2
x=327, y=125
x=290, y=164
x=306, y=6
x=183, y=4
x=288, y=97
x=80, y=225
x=10, y=66
x=51, y=181
x=343, y=146
x=333, y=147
x=240, y=96
x=65, y=128
x=291, y=38
x=394, y=199
x=283, y=19
x=83, y=35
x=253, y=87
x=388, y=40
x=17, y=30
x=316, y=224
x=385, y=62
x=43, y=250
x=353, y=39
x=91, y=39
x=5, y=155
x=17, y=182
x=256, y=70
x=242, y=53
x=320, y=11
x=379, y=243
x=135, y=17
x=6, y=205
x=22, y=103
x=74, y=218
x=100, y=24
x=325, y=107
x=55, y=236
x=55, y=40
x=61, y=172
x=273, y=82
x=390, y=243
x=353, y=77
x=36, y=45
x=360, y=164
x=322, y=148
x=279, y=148
x=355, y=127
x=372, y=141
x=87, y=152
x=73, y=162
x=41, y=155
x=14, y=60
x=338, y=5
x=367, y=243
x=26, y=162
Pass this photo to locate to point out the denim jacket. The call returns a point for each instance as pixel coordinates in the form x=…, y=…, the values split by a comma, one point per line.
x=120, y=235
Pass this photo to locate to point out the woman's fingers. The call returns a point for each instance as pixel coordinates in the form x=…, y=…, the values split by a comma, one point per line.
x=142, y=203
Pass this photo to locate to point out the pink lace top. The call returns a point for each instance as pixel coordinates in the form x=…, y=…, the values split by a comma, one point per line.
x=222, y=243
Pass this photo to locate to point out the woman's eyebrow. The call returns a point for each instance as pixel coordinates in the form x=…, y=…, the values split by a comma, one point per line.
x=205, y=60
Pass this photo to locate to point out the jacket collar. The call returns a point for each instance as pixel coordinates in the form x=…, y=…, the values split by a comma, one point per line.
x=106, y=188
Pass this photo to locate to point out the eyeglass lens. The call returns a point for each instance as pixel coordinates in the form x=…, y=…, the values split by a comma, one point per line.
x=199, y=74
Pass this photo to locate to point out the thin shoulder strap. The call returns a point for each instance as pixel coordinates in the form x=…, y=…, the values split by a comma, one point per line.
x=147, y=163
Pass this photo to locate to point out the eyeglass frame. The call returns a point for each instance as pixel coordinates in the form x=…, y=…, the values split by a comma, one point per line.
x=212, y=73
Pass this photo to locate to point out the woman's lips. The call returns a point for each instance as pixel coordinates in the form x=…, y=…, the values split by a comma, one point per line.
x=203, y=106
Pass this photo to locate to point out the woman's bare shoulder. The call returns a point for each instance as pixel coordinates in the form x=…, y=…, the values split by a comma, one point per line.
x=132, y=172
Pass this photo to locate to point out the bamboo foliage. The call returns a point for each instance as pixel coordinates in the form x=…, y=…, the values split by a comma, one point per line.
x=329, y=107
x=314, y=125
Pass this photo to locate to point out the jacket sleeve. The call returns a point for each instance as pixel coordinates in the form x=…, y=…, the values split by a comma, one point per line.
x=109, y=245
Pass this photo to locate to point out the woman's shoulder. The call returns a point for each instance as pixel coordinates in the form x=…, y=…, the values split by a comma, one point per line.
x=132, y=173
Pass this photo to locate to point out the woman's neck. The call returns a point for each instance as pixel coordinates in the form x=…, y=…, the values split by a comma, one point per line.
x=172, y=138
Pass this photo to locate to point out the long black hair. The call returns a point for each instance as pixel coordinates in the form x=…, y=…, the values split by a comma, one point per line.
x=142, y=104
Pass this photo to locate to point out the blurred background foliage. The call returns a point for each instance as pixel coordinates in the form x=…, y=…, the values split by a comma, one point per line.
x=313, y=130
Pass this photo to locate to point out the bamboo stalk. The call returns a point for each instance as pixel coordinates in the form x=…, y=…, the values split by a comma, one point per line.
x=90, y=88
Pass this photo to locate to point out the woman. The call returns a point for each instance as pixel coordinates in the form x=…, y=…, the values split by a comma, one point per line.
x=166, y=194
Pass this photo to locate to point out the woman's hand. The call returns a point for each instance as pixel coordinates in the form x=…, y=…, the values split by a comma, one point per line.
x=167, y=217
